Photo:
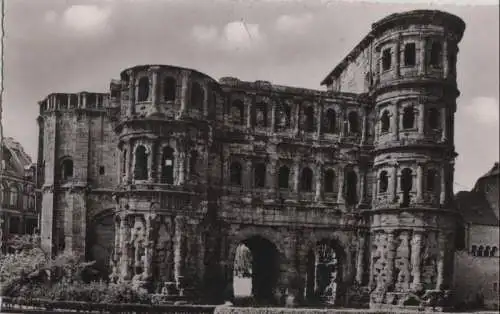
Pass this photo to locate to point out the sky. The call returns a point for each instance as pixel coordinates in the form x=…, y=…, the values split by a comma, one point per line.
x=72, y=46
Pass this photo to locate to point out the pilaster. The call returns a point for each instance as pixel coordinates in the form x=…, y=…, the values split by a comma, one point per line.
x=416, y=250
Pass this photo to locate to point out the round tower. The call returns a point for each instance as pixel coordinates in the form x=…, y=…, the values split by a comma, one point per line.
x=163, y=141
x=412, y=219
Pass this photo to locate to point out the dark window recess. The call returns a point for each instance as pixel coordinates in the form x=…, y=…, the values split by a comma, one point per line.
x=309, y=119
x=284, y=174
x=431, y=180
x=350, y=188
x=101, y=170
x=141, y=163
x=435, y=57
x=408, y=118
x=386, y=59
x=406, y=186
x=143, y=92
x=15, y=225
x=260, y=175
x=385, y=122
x=169, y=87
x=410, y=54
x=383, y=182
x=433, y=117
x=235, y=173
x=329, y=180
x=167, y=166
x=306, y=180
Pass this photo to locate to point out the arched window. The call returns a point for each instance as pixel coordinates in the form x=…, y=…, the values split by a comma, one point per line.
x=306, y=179
x=353, y=122
x=141, y=163
x=431, y=179
x=385, y=122
x=435, y=58
x=473, y=250
x=14, y=196
x=260, y=176
x=167, y=165
x=406, y=186
x=309, y=119
x=67, y=169
x=493, y=251
x=143, y=89
x=235, y=173
x=237, y=112
x=261, y=115
x=386, y=59
x=329, y=180
x=487, y=251
x=197, y=96
x=480, y=251
x=330, y=121
x=169, y=88
x=5, y=194
x=410, y=54
x=383, y=182
x=351, y=187
x=193, y=160
x=433, y=118
x=408, y=118
x=283, y=177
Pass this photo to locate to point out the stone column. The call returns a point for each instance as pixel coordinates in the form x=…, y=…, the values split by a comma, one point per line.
x=148, y=248
x=205, y=99
x=445, y=58
x=319, y=119
x=420, y=181
x=423, y=58
x=131, y=94
x=273, y=116
x=248, y=175
x=365, y=127
x=441, y=260
x=124, y=245
x=360, y=258
x=179, y=250
x=391, y=254
x=340, y=192
x=444, y=125
x=396, y=122
x=374, y=188
x=84, y=102
x=296, y=179
x=271, y=175
x=117, y=246
x=394, y=183
x=297, y=119
x=150, y=163
x=362, y=185
x=184, y=92
x=442, y=196
x=249, y=109
x=182, y=161
x=154, y=87
x=319, y=182
x=397, y=56
x=416, y=248
x=421, y=118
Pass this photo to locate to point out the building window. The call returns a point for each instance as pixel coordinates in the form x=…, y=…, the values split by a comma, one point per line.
x=487, y=251
x=14, y=196
x=309, y=119
x=406, y=186
x=480, y=250
x=385, y=122
x=14, y=225
x=197, y=96
x=124, y=162
x=193, y=160
x=383, y=182
x=410, y=54
x=306, y=180
x=431, y=180
x=408, y=118
x=169, y=88
x=495, y=286
x=329, y=180
x=143, y=92
x=473, y=250
x=235, y=173
x=261, y=115
x=283, y=177
x=386, y=59
x=282, y=118
x=67, y=169
x=493, y=251
x=31, y=225
x=141, y=163
x=167, y=166
x=237, y=112
x=353, y=122
x=433, y=118
x=435, y=58
x=101, y=170
x=5, y=194
x=351, y=187
x=260, y=176
x=330, y=121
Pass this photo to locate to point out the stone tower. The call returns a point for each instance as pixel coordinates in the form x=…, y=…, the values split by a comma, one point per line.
x=412, y=218
x=74, y=130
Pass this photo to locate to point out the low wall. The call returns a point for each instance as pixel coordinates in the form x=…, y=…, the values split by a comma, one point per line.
x=264, y=310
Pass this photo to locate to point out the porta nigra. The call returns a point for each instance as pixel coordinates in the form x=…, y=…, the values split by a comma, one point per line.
x=340, y=195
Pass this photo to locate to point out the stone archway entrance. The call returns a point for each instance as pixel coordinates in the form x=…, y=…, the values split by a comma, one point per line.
x=324, y=272
x=256, y=269
x=100, y=242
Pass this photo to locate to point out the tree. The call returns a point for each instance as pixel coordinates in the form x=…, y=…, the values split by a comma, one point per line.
x=243, y=262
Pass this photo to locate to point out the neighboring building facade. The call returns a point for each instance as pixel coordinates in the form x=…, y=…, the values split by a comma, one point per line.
x=338, y=194
x=477, y=263
x=18, y=213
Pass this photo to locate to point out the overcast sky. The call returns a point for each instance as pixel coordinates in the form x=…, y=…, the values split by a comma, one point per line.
x=71, y=46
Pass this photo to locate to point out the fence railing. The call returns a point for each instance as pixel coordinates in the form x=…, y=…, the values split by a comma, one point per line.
x=20, y=305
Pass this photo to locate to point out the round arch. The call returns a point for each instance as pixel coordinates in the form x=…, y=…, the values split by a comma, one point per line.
x=100, y=240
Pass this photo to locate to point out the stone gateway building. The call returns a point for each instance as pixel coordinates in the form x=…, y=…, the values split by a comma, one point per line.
x=341, y=196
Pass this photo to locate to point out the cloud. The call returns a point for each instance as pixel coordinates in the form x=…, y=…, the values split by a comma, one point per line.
x=87, y=18
x=485, y=110
x=294, y=23
x=50, y=17
x=204, y=34
x=236, y=35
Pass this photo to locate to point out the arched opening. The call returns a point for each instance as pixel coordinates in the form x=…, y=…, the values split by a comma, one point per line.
x=259, y=175
x=5, y=193
x=197, y=96
x=63, y=102
x=406, y=186
x=386, y=59
x=493, y=251
x=330, y=121
x=283, y=177
x=306, y=180
x=167, y=166
x=410, y=54
x=309, y=119
x=353, y=122
x=100, y=242
x=480, y=250
x=14, y=196
x=383, y=182
x=283, y=118
x=431, y=180
x=351, y=187
x=261, y=115
x=433, y=118
x=141, y=163
x=143, y=89
x=257, y=265
x=487, y=251
x=169, y=88
x=329, y=180
x=435, y=57
x=473, y=250
x=193, y=162
x=14, y=225
x=408, y=118
x=67, y=169
x=324, y=272
x=237, y=112
x=385, y=122
x=235, y=173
